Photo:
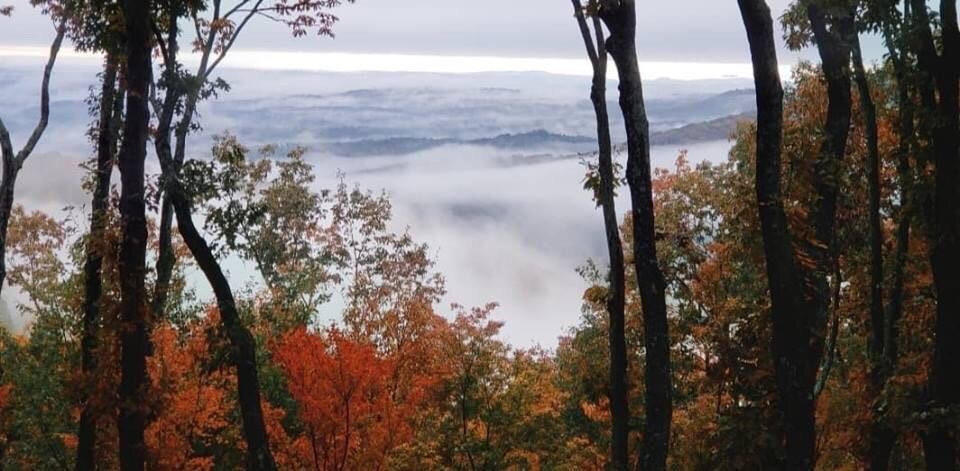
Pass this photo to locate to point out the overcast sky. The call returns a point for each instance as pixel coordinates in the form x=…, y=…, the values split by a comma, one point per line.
x=676, y=31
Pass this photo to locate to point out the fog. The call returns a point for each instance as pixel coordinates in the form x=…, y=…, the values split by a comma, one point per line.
x=506, y=222
x=508, y=233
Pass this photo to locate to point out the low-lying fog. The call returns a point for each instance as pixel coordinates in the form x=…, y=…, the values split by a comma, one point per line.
x=512, y=233
x=484, y=168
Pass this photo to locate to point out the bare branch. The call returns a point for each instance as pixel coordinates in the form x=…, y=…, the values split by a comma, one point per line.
x=585, y=33
x=233, y=37
x=160, y=42
x=236, y=8
x=44, y=97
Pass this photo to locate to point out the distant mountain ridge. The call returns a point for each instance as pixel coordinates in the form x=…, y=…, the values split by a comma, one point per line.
x=712, y=130
x=540, y=139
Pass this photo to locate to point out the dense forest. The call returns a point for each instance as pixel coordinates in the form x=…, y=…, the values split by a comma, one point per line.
x=796, y=306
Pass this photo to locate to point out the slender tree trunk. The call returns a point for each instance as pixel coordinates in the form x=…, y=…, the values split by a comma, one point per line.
x=620, y=19
x=93, y=283
x=596, y=50
x=944, y=383
x=244, y=356
x=869, y=112
x=906, y=183
x=882, y=435
x=831, y=35
x=13, y=162
x=166, y=258
x=797, y=315
x=259, y=457
x=133, y=246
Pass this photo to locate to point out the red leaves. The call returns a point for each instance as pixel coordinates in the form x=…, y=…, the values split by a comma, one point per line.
x=348, y=400
x=303, y=15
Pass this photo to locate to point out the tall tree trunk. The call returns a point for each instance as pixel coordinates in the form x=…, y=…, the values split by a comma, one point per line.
x=784, y=281
x=883, y=436
x=93, y=283
x=869, y=111
x=621, y=20
x=191, y=96
x=165, y=256
x=944, y=70
x=905, y=179
x=244, y=355
x=800, y=298
x=597, y=52
x=133, y=245
x=13, y=161
x=831, y=36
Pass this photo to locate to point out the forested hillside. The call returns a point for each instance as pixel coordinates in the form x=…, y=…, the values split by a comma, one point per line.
x=794, y=304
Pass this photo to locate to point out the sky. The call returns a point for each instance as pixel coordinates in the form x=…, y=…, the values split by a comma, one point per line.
x=470, y=36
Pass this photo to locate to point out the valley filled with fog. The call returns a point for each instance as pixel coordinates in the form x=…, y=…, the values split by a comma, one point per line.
x=484, y=168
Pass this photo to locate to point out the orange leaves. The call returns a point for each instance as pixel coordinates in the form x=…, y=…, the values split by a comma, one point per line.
x=192, y=406
x=346, y=399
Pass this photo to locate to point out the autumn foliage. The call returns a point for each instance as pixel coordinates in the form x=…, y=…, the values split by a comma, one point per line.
x=362, y=365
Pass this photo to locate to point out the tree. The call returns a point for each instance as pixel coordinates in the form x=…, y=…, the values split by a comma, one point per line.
x=13, y=161
x=346, y=403
x=604, y=195
x=800, y=282
x=37, y=369
x=621, y=20
x=790, y=327
x=264, y=210
x=884, y=318
x=941, y=70
x=215, y=37
x=106, y=138
x=133, y=247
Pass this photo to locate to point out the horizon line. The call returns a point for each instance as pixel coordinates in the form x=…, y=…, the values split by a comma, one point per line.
x=431, y=63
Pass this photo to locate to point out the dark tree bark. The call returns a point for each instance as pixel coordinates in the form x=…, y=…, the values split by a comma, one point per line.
x=905, y=177
x=176, y=202
x=869, y=112
x=93, y=283
x=133, y=245
x=831, y=36
x=244, y=356
x=787, y=299
x=174, y=92
x=800, y=297
x=880, y=433
x=883, y=436
x=621, y=20
x=597, y=52
x=187, y=95
x=943, y=69
x=13, y=161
